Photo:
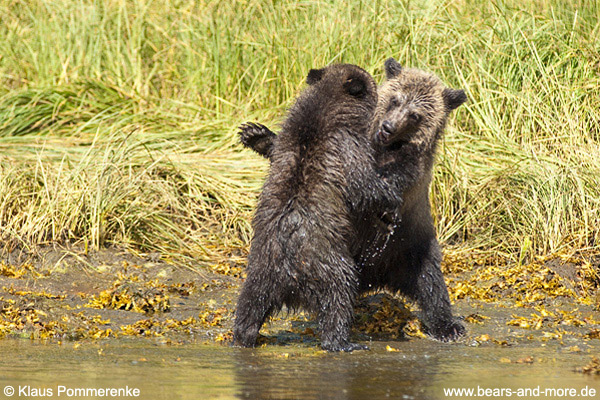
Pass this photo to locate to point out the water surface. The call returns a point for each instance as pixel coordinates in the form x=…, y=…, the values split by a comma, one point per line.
x=421, y=369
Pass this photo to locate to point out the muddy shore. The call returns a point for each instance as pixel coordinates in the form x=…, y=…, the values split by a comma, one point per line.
x=60, y=295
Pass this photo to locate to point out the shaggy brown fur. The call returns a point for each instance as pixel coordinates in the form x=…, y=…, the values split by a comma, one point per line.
x=401, y=252
x=320, y=178
x=409, y=120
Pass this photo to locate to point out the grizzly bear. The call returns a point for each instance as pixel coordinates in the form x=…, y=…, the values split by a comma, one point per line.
x=321, y=176
x=399, y=251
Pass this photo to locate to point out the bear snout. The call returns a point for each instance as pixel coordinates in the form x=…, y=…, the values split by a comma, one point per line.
x=387, y=127
x=385, y=132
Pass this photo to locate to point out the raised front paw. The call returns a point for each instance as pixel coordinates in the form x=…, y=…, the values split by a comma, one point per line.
x=250, y=131
x=257, y=137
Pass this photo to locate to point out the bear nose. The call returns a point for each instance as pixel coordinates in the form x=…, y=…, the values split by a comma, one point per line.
x=387, y=127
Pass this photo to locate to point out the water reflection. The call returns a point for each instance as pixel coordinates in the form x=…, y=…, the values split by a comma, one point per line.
x=420, y=370
x=362, y=375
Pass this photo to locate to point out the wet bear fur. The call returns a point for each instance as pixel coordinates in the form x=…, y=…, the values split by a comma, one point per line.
x=399, y=251
x=320, y=179
x=409, y=121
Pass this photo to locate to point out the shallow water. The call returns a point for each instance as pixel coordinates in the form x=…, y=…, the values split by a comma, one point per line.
x=421, y=369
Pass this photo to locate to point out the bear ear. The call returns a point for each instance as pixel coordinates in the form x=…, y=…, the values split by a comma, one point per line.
x=392, y=68
x=314, y=76
x=355, y=86
x=453, y=98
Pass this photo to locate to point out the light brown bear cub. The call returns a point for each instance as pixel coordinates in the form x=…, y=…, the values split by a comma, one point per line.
x=409, y=121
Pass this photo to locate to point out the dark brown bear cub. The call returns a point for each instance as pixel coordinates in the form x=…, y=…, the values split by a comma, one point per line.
x=409, y=120
x=320, y=178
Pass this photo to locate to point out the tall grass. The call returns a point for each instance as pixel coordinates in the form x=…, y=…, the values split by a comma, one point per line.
x=118, y=118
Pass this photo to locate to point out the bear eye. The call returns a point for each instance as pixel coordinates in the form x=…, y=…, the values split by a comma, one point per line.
x=414, y=117
x=394, y=103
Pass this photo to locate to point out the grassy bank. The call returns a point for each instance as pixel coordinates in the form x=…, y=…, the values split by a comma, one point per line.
x=118, y=118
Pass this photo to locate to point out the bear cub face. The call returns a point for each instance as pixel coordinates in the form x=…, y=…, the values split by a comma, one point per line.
x=413, y=106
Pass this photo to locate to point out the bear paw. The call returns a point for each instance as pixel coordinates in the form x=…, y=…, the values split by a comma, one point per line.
x=448, y=332
x=257, y=137
x=347, y=347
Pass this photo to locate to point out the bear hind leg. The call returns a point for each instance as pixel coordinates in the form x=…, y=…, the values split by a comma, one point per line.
x=256, y=303
x=336, y=313
x=423, y=281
